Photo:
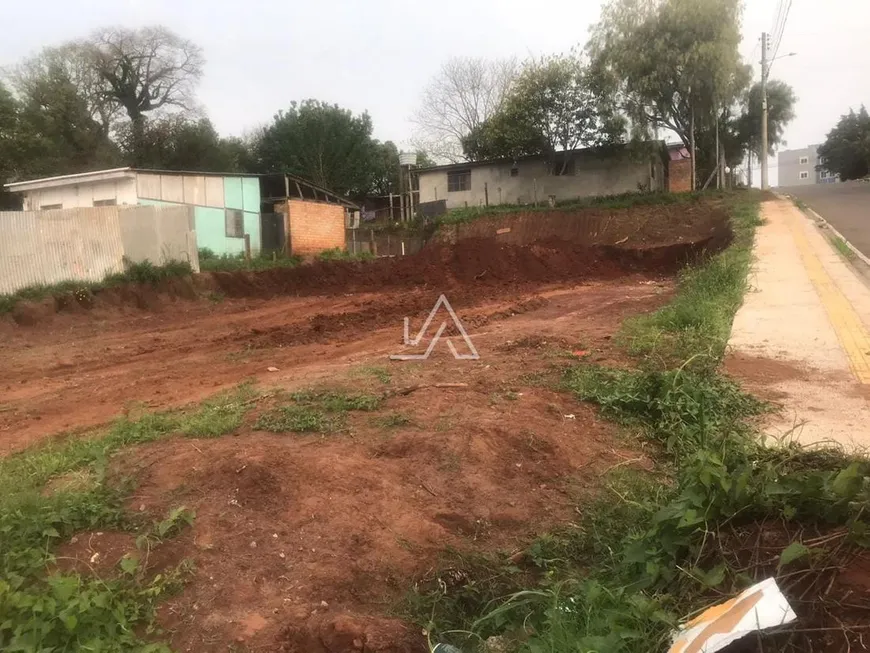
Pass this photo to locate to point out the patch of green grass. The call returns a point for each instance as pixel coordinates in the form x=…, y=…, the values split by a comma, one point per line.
x=83, y=291
x=379, y=372
x=219, y=415
x=392, y=420
x=211, y=262
x=300, y=419
x=52, y=611
x=47, y=610
x=842, y=248
x=317, y=411
x=697, y=323
x=800, y=204
x=339, y=254
x=619, y=201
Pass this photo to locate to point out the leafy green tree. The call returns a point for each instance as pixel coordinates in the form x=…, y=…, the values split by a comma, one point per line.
x=554, y=105
x=176, y=142
x=846, y=150
x=504, y=135
x=72, y=62
x=321, y=142
x=10, y=145
x=58, y=131
x=385, y=168
x=743, y=137
x=670, y=63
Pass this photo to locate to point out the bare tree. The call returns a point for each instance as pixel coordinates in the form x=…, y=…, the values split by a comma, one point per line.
x=458, y=100
x=146, y=69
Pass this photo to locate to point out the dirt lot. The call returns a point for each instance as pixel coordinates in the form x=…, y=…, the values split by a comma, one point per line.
x=306, y=542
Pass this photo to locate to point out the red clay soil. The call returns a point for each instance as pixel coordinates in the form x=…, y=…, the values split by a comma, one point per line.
x=304, y=542
x=483, y=262
x=77, y=372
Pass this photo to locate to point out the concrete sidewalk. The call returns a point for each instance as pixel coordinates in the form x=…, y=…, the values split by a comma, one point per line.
x=802, y=336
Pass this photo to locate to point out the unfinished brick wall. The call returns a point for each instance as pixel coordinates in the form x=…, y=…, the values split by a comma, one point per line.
x=315, y=226
x=680, y=176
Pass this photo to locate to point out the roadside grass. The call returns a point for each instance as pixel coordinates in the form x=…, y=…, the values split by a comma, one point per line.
x=696, y=324
x=842, y=248
x=211, y=262
x=83, y=291
x=45, y=610
x=720, y=512
x=316, y=411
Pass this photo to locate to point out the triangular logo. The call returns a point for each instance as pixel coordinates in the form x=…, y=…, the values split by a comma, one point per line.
x=412, y=342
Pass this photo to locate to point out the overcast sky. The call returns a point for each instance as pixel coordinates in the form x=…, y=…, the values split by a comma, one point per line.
x=377, y=55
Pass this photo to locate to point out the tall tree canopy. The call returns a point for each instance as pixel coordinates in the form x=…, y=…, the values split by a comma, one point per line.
x=846, y=150
x=144, y=70
x=554, y=105
x=177, y=142
x=85, y=102
x=321, y=142
x=667, y=61
x=458, y=100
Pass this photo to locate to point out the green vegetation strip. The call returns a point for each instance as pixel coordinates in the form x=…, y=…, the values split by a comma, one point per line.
x=316, y=412
x=656, y=547
x=42, y=609
x=83, y=291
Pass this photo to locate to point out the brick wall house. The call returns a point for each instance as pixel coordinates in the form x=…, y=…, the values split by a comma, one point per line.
x=679, y=171
x=313, y=227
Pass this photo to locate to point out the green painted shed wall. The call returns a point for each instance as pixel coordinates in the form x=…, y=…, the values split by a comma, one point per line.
x=242, y=193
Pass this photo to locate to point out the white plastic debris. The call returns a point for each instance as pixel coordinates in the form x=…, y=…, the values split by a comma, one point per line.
x=760, y=607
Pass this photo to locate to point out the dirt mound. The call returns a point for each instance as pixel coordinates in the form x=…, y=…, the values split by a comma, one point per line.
x=102, y=301
x=480, y=261
x=296, y=535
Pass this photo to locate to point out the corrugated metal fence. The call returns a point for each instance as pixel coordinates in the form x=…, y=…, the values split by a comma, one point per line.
x=45, y=247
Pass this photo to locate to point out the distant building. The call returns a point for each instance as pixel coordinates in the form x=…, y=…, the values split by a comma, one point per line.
x=798, y=168
x=227, y=207
x=531, y=179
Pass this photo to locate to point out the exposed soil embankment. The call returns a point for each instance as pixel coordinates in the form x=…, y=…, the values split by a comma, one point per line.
x=489, y=253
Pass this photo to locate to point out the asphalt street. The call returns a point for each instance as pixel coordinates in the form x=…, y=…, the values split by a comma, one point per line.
x=846, y=206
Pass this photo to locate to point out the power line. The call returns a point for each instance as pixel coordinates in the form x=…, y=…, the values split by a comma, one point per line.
x=781, y=29
x=777, y=18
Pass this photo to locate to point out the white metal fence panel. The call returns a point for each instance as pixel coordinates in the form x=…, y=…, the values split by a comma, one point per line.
x=86, y=244
x=159, y=234
x=43, y=247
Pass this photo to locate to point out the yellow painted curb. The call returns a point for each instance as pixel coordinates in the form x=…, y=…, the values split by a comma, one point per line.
x=850, y=330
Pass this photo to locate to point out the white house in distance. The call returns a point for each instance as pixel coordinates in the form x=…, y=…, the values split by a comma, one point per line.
x=528, y=180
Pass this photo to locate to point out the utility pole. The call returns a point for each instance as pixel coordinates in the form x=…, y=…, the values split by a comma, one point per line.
x=763, y=153
x=718, y=169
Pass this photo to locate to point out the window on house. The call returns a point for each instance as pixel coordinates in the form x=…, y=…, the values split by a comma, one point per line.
x=804, y=160
x=805, y=174
x=459, y=180
x=515, y=172
x=111, y=202
x=563, y=168
x=235, y=223
x=50, y=207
